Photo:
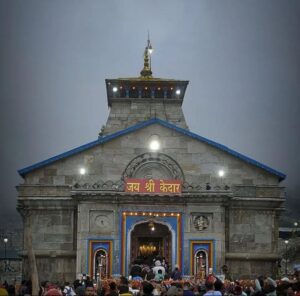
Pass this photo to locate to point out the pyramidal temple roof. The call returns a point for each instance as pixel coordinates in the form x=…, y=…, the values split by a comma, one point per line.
x=140, y=125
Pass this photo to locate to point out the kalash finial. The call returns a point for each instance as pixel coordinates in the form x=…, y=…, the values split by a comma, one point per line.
x=146, y=72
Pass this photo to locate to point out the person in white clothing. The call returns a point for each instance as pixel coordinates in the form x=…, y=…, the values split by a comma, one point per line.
x=158, y=267
x=68, y=290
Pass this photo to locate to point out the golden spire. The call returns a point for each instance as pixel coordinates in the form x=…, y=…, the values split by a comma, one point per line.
x=146, y=72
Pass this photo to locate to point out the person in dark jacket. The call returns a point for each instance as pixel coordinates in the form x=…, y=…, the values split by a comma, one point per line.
x=176, y=274
x=113, y=289
x=187, y=290
x=147, y=289
x=136, y=270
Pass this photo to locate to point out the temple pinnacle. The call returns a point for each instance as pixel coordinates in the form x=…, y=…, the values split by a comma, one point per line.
x=146, y=72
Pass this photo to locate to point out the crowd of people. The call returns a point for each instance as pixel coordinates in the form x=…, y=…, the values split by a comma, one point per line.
x=161, y=282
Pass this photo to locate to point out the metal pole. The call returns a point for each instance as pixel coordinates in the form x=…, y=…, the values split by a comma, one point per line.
x=5, y=255
x=286, y=258
x=5, y=268
x=286, y=255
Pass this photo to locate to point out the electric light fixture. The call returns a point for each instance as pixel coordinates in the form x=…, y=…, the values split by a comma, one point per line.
x=82, y=171
x=154, y=145
x=221, y=173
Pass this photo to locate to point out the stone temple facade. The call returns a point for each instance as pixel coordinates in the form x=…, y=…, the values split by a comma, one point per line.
x=96, y=208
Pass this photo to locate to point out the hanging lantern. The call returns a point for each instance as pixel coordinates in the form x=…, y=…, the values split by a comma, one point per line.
x=151, y=226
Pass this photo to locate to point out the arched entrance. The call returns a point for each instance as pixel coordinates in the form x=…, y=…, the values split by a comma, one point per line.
x=201, y=266
x=100, y=258
x=202, y=257
x=100, y=264
x=167, y=236
x=149, y=240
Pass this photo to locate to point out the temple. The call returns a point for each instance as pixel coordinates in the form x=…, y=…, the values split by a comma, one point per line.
x=150, y=188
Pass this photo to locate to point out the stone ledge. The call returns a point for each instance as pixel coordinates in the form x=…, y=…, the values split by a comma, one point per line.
x=251, y=256
x=28, y=190
x=259, y=191
x=125, y=198
x=256, y=202
x=50, y=253
x=258, y=199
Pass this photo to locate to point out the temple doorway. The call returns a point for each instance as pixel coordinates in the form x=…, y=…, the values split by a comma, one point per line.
x=145, y=230
x=201, y=266
x=151, y=240
x=100, y=264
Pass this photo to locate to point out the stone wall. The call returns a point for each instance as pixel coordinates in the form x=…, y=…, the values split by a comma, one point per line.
x=199, y=161
x=237, y=225
x=53, y=268
x=125, y=114
x=250, y=269
x=51, y=222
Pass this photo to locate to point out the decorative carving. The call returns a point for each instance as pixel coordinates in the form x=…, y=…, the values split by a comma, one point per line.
x=153, y=165
x=101, y=221
x=201, y=222
x=192, y=187
x=101, y=186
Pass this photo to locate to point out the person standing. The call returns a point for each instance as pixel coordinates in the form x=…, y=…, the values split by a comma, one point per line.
x=68, y=290
x=159, y=276
x=157, y=267
x=210, y=289
x=113, y=289
x=147, y=289
x=187, y=289
x=176, y=274
x=90, y=291
x=124, y=291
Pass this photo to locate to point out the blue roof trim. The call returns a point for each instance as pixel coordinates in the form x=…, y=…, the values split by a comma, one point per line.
x=140, y=125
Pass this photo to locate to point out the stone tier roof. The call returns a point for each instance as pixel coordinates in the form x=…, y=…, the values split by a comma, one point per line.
x=145, y=88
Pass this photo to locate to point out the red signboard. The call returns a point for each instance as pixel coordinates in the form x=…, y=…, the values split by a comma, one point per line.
x=153, y=186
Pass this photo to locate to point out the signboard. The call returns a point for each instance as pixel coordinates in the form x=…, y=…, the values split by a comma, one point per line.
x=153, y=186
